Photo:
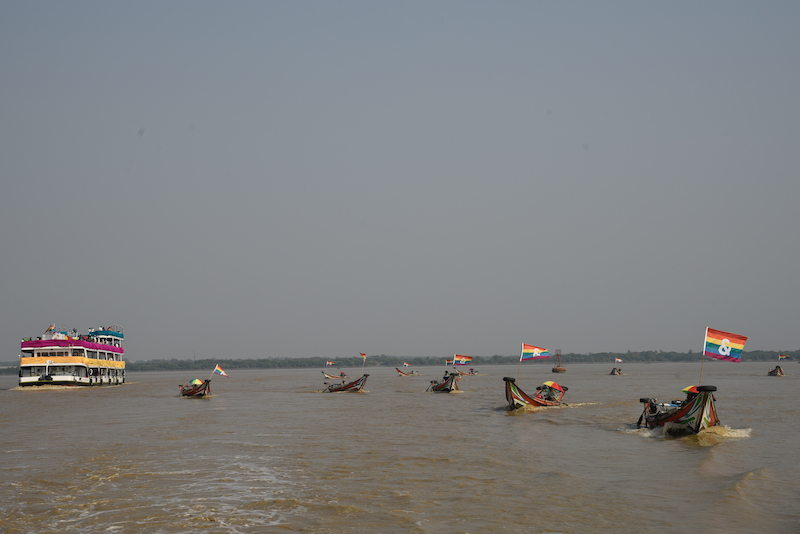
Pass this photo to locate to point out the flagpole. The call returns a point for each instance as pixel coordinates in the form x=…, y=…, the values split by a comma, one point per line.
x=704, y=358
x=519, y=365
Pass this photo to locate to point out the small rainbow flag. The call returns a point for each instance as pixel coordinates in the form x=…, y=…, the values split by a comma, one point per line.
x=405, y=364
x=448, y=362
x=461, y=360
x=218, y=371
x=529, y=352
x=724, y=345
x=783, y=357
x=328, y=362
x=363, y=356
x=617, y=360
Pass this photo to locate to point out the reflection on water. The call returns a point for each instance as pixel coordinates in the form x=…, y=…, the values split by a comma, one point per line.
x=271, y=452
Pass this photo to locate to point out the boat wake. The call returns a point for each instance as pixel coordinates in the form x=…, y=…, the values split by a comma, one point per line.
x=707, y=437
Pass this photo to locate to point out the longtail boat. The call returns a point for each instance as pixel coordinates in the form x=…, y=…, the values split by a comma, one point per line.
x=196, y=388
x=616, y=371
x=334, y=377
x=776, y=372
x=354, y=386
x=548, y=394
x=692, y=415
x=410, y=373
x=446, y=385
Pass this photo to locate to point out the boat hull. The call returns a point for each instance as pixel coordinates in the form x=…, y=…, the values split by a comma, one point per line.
x=198, y=390
x=519, y=399
x=690, y=417
x=354, y=386
x=448, y=386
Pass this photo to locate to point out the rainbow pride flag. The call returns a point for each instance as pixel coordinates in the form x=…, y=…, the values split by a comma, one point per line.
x=530, y=352
x=724, y=345
x=461, y=360
x=218, y=371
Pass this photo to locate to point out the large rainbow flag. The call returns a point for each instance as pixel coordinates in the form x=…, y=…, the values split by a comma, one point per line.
x=724, y=345
x=461, y=360
x=529, y=352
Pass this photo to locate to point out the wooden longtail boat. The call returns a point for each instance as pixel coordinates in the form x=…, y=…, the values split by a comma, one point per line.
x=616, y=371
x=692, y=415
x=196, y=388
x=410, y=373
x=446, y=386
x=548, y=394
x=354, y=386
x=776, y=372
x=334, y=377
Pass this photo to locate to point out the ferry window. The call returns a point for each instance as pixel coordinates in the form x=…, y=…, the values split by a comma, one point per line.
x=77, y=352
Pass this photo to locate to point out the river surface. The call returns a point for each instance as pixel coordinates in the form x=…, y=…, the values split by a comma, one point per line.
x=269, y=452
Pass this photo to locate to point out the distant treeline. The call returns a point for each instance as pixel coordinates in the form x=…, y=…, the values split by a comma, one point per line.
x=417, y=361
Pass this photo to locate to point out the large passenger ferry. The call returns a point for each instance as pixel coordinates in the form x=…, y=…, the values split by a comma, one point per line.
x=62, y=357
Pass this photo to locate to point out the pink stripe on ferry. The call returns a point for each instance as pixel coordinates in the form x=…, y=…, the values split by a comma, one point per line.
x=41, y=343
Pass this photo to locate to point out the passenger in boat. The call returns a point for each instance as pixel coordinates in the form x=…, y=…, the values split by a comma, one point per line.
x=446, y=376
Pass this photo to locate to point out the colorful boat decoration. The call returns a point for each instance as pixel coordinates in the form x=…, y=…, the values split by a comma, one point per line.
x=689, y=416
x=354, y=386
x=62, y=357
x=776, y=372
x=448, y=384
x=341, y=376
x=548, y=394
x=409, y=373
x=201, y=388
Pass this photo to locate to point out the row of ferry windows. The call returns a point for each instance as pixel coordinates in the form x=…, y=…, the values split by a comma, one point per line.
x=95, y=355
x=69, y=370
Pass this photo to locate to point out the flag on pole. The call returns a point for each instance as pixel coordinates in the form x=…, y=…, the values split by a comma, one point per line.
x=617, y=360
x=529, y=352
x=724, y=345
x=218, y=371
x=461, y=360
x=783, y=357
x=328, y=362
x=364, y=356
x=50, y=328
x=449, y=362
x=405, y=364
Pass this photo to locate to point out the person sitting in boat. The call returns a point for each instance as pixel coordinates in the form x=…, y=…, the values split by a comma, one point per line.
x=446, y=376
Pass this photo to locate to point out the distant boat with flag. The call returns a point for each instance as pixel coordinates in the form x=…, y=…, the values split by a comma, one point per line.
x=698, y=410
x=406, y=373
x=201, y=388
x=548, y=394
x=354, y=386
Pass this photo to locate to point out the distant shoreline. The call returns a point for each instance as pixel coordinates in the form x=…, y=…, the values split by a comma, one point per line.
x=383, y=360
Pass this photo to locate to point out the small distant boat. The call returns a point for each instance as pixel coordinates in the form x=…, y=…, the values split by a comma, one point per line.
x=471, y=371
x=616, y=371
x=196, y=388
x=410, y=373
x=446, y=385
x=776, y=372
x=548, y=394
x=354, y=386
x=558, y=367
x=692, y=415
x=334, y=377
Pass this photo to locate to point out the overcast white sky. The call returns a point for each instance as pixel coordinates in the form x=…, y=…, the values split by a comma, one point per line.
x=262, y=179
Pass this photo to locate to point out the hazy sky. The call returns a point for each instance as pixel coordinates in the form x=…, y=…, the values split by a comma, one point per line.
x=260, y=179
